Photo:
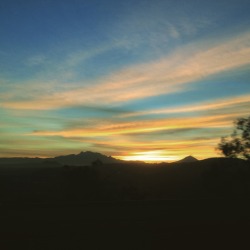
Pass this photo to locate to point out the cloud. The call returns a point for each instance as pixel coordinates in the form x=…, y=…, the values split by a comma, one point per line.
x=36, y=60
x=218, y=105
x=177, y=136
x=148, y=126
x=169, y=74
x=157, y=26
x=83, y=55
x=172, y=136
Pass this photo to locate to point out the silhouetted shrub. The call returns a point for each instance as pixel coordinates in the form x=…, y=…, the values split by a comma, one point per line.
x=239, y=144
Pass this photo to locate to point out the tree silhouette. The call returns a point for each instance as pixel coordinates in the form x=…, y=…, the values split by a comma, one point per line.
x=238, y=145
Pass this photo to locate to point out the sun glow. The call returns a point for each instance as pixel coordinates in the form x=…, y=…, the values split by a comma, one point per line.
x=150, y=157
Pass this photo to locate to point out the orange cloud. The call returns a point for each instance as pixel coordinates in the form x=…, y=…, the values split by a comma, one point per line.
x=122, y=138
x=143, y=126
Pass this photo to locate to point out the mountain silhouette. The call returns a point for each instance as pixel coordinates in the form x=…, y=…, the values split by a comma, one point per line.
x=188, y=159
x=85, y=158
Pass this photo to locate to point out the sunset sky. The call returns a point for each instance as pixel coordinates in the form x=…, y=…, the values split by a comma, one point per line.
x=138, y=80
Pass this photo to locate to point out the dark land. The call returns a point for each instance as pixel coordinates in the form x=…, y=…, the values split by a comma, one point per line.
x=91, y=201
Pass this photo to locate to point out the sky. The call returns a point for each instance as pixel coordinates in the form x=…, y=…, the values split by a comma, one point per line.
x=137, y=80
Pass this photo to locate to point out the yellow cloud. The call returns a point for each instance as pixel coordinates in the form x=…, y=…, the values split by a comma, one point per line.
x=143, y=126
x=121, y=137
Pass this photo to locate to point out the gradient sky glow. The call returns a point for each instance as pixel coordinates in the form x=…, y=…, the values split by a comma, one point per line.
x=138, y=80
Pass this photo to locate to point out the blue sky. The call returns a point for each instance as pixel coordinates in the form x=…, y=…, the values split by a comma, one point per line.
x=140, y=80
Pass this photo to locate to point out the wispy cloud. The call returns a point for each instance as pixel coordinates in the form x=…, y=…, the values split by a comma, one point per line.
x=36, y=60
x=167, y=75
x=175, y=136
x=135, y=127
x=217, y=104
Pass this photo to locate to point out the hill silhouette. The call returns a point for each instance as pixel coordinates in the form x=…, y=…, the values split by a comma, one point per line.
x=76, y=178
x=50, y=205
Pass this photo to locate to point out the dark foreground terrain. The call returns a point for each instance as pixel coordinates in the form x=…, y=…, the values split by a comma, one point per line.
x=202, y=205
x=213, y=224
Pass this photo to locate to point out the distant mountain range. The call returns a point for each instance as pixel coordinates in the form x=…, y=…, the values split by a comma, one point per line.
x=83, y=158
x=80, y=178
